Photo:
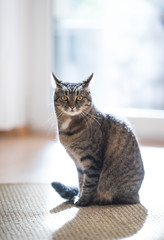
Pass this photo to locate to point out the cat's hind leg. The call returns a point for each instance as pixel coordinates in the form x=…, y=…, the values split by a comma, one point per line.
x=126, y=199
x=109, y=191
x=107, y=194
x=104, y=193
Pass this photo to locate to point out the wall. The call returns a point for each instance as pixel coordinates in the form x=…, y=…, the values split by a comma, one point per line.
x=25, y=63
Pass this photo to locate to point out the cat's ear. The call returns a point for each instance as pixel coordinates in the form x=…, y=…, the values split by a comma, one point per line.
x=87, y=82
x=57, y=81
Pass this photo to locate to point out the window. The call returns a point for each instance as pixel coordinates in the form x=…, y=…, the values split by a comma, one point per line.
x=122, y=42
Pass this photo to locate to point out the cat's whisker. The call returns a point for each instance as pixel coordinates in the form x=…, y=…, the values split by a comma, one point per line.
x=51, y=104
x=84, y=117
x=50, y=118
x=89, y=124
x=95, y=120
x=51, y=128
x=97, y=117
x=59, y=114
x=58, y=111
x=50, y=124
x=93, y=117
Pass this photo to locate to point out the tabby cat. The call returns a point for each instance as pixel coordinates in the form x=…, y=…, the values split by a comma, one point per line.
x=104, y=149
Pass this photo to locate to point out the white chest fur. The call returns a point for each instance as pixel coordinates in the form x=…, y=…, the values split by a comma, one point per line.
x=65, y=124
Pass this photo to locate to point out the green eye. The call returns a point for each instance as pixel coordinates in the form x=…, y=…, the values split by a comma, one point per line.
x=79, y=98
x=64, y=98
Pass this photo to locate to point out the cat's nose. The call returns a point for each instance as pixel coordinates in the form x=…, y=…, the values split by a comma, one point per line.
x=72, y=107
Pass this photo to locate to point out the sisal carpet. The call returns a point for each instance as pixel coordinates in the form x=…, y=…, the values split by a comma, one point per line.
x=35, y=211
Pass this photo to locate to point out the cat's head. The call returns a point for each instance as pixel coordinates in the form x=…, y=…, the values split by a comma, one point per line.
x=72, y=98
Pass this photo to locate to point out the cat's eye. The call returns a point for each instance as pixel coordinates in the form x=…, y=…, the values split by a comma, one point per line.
x=79, y=98
x=64, y=98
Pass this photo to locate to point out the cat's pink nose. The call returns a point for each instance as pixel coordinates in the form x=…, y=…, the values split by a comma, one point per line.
x=72, y=107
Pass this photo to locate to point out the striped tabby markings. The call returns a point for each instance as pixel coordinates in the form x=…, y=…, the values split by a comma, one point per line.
x=65, y=124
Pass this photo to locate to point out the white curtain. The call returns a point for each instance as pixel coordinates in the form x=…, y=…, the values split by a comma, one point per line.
x=25, y=63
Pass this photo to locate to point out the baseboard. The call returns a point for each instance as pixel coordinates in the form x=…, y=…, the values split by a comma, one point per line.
x=15, y=132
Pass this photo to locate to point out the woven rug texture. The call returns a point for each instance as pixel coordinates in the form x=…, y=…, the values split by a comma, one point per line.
x=35, y=211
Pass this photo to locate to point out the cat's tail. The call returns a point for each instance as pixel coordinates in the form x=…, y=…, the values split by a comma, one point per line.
x=65, y=191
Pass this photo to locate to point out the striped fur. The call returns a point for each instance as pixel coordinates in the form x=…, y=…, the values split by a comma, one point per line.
x=104, y=149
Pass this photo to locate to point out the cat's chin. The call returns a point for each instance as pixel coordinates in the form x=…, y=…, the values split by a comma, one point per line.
x=74, y=113
x=71, y=113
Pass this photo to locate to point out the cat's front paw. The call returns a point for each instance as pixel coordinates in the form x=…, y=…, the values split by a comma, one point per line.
x=81, y=201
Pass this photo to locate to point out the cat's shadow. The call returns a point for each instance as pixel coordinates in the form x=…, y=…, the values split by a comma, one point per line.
x=100, y=222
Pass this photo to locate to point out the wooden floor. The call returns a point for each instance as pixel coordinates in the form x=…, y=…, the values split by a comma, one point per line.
x=40, y=159
x=34, y=158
